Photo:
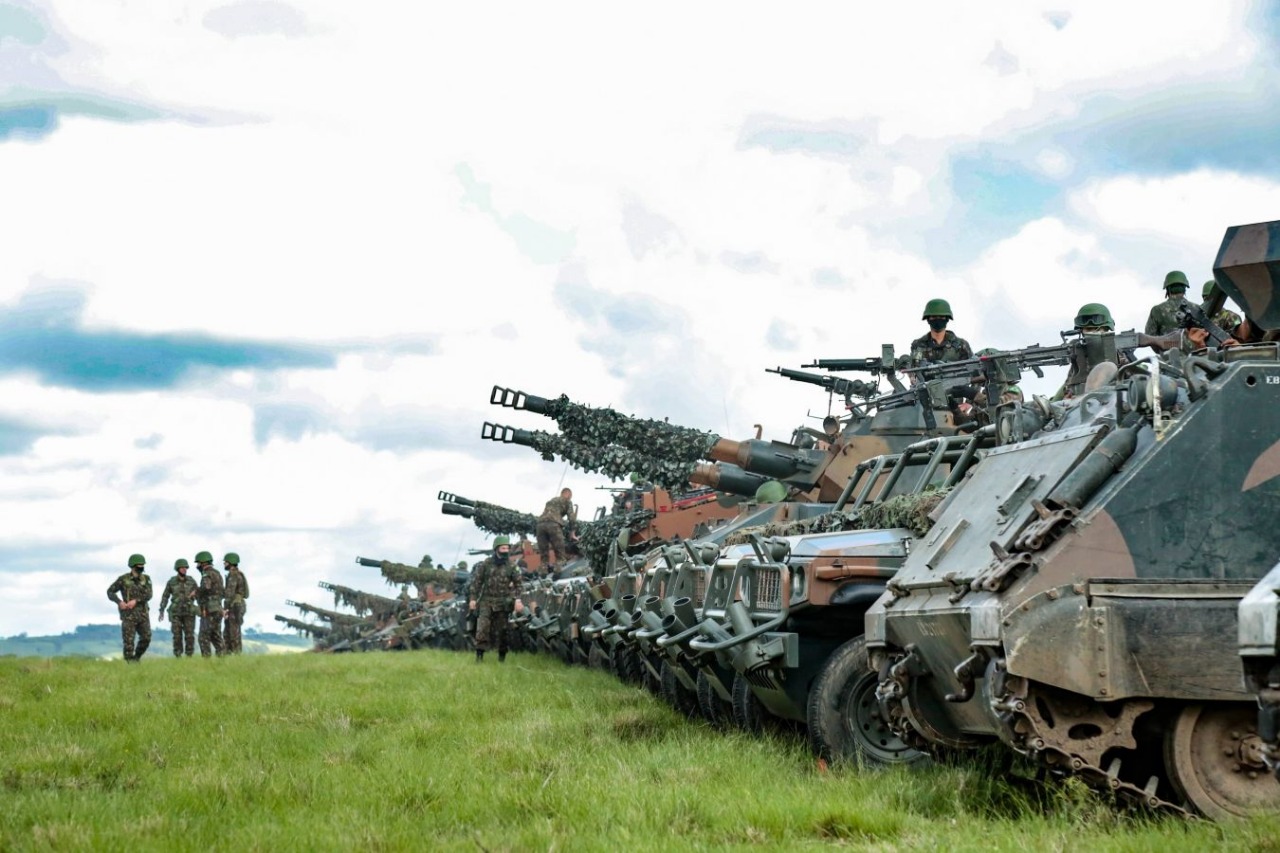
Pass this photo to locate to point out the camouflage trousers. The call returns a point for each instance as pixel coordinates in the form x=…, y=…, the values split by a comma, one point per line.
x=135, y=623
x=551, y=538
x=211, y=632
x=184, y=633
x=491, y=629
x=231, y=629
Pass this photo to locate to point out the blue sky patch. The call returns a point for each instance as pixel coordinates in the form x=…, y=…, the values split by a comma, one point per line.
x=43, y=334
x=20, y=25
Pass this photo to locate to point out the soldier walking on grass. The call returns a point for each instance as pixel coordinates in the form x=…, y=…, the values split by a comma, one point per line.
x=131, y=592
x=492, y=595
x=209, y=598
x=180, y=594
x=233, y=606
x=551, y=531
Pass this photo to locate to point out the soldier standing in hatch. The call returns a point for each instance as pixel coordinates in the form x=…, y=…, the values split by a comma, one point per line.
x=1163, y=318
x=233, y=603
x=180, y=594
x=495, y=584
x=550, y=531
x=131, y=592
x=938, y=344
x=209, y=598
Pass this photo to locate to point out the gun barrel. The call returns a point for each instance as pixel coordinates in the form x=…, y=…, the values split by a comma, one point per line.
x=365, y=561
x=512, y=399
x=456, y=499
x=868, y=365
x=727, y=477
x=455, y=509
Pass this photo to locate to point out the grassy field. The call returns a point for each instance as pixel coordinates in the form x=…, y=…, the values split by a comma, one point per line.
x=427, y=750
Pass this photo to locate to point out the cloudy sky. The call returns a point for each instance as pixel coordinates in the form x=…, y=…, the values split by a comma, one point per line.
x=261, y=261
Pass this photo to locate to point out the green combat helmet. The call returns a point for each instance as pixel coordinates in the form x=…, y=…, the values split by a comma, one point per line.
x=232, y=557
x=181, y=563
x=937, y=308
x=771, y=492
x=1095, y=314
x=1208, y=288
x=204, y=557
x=1175, y=280
x=499, y=541
x=137, y=560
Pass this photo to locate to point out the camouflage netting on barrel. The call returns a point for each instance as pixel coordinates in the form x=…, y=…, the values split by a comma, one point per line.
x=595, y=538
x=498, y=520
x=380, y=607
x=907, y=511
x=599, y=427
x=398, y=574
x=614, y=461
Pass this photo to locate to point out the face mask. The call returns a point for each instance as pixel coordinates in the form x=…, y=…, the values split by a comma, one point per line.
x=937, y=323
x=501, y=557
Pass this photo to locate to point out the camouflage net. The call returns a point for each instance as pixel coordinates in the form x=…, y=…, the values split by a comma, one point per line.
x=364, y=603
x=601, y=427
x=614, y=461
x=333, y=616
x=499, y=520
x=596, y=538
x=907, y=511
x=311, y=629
x=398, y=574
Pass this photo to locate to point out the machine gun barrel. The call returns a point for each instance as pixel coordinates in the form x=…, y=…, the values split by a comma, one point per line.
x=847, y=388
x=455, y=509
x=866, y=365
x=456, y=499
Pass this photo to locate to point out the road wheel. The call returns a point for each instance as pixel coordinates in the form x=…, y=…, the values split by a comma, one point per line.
x=1213, y=756
x=845, y=723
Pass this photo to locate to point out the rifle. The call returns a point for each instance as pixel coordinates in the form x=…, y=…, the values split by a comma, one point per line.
x=1192, y=316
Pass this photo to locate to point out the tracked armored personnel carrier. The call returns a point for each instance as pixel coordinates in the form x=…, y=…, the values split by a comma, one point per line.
x=1077, y=597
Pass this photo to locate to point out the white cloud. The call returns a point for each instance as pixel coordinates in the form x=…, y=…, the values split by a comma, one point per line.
x=338, y=217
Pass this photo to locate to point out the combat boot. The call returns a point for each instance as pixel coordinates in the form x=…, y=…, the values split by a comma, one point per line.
x=479, y=655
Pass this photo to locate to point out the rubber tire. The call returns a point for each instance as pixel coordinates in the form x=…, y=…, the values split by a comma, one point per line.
x=715, y=710
x=677, y=695
x=651, y=682
x=749, y=713
x=597, y=657
x=626, y=665
x=844, y=681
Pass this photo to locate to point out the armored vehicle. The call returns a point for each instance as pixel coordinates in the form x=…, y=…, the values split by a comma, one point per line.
x=1077, y=597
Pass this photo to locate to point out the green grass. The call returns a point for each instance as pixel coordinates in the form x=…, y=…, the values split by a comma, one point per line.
x=427, y=750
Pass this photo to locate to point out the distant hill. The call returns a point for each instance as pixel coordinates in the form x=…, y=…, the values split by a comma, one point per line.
x=103, y=641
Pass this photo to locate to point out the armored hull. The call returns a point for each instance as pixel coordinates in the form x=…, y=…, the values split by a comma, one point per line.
x=1077, y=597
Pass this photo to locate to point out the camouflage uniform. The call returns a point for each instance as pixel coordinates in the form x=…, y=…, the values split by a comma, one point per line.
x=1227, y=320
x=135, y=621
x=1163, y=318
x=551, y=532
x=180, y=593
x=493, y=587
x=236, y=591
x=209, y=597
x=925, y=350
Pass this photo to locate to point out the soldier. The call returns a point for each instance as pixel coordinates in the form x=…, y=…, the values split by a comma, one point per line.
x=134, y=591
x=1163, y=318
x=180, y=593
x=233, y=607
x=1093, y=318
x=938, y=344
x=209, y=598
x=1225, y=319
x=550, y=531
x=492, y=595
